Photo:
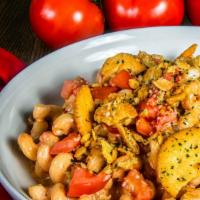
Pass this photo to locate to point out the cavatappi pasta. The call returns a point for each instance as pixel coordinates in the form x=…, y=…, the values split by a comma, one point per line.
x=134, y=134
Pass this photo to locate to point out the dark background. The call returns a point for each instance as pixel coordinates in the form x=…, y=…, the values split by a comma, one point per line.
x=15, y=31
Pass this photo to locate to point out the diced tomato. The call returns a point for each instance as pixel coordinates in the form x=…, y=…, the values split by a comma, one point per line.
x=121, y=80
x=148, y=111
x=102, y=92
x=166, y=116
x=10, y=65
x=71, y=87
x=68, y=144
x=135, y=183
x=144, y=127
x=83, y=182
x=169, y=76
x=152, y=100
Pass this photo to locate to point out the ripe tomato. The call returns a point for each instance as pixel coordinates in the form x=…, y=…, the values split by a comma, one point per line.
x=83, y=182
x=102, y=92
x=68, y=144
x=71, y=87
x=148, y=111
x=121, y=80
x=144, y=127
x=61, y=22
x=124, y=14
x=193, y=11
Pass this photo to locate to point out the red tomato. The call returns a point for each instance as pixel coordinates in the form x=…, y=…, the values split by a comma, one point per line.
x=165, y=116
x=102, y=92
x=169, y=76
x=125, y=14
x=193, y=11
x=148, y=111
x=70, y=143
x=61, y=22
x=71, y=87
x=121, y=80
x=83, y=182
x=144, y=127
x=10, y=65
x=135, y=183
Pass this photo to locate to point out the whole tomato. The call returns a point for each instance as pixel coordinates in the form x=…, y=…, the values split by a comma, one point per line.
x=61, y=22
x=125, y=14
x=193, y=11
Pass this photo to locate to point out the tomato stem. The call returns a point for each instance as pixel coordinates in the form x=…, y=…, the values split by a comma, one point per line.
x=98, y=3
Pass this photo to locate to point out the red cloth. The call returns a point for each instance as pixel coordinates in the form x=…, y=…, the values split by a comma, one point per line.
x=4, y=195
x=10, y=65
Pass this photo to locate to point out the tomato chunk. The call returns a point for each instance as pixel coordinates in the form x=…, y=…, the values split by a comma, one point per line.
x=135, y=183
x=83, y=182
x=144, y=127
x=102, y=92
x=165, y=116
x=148, y=111
x=71, y=87
x=70, y=143
x=121, y=80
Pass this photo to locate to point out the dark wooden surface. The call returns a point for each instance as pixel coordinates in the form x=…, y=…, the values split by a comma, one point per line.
x=15, y=31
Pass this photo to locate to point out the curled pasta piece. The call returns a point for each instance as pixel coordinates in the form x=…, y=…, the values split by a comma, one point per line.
x=58, y=167
x=43, y=157
x=48, y=138
x=63, y=124
x=38, y=171
x=38, y=192
x=38, y=128
x=58, y=192
x=95, y=160
x=28, y=147
x=41, y=111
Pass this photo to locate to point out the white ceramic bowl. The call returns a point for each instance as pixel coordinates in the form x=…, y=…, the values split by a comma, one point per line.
x=41, y=82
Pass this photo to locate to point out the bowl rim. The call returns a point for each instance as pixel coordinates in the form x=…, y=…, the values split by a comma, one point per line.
x=5, y=181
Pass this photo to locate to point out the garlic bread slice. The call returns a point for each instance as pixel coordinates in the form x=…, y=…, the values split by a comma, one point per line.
x=179, y=160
